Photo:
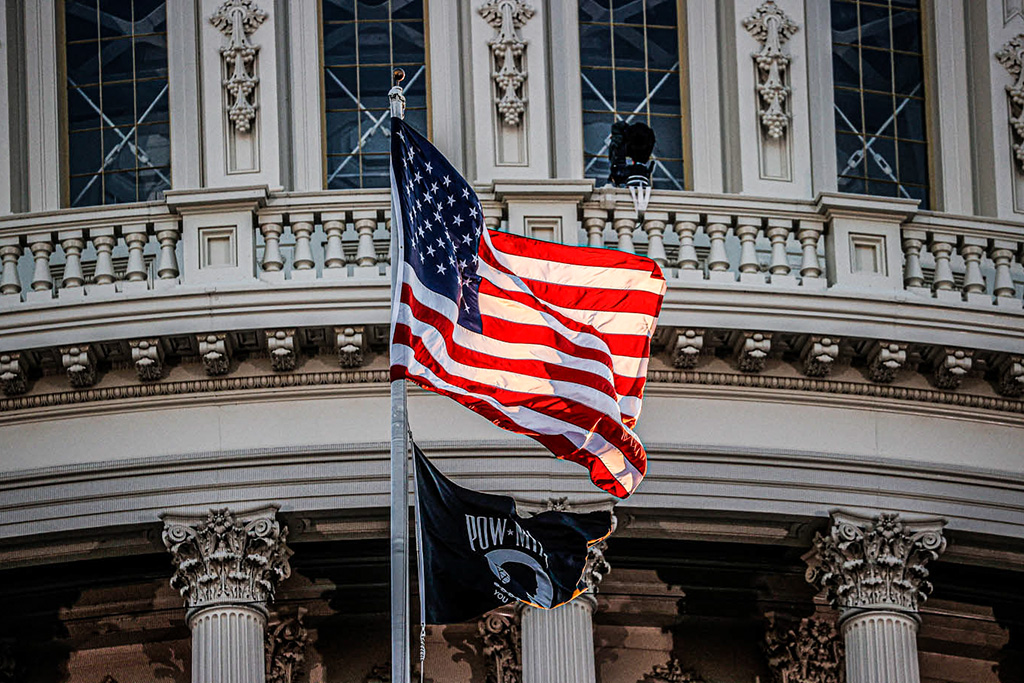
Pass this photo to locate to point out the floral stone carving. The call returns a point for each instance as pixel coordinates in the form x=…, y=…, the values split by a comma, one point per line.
x=673, y=672
x=239, y=19
x=508, y=51
x=286, y=648
x=770, y=26
x=1011, y=56
x=224, y=560
x=876, y=563
x=808, y=652
x=502, y=647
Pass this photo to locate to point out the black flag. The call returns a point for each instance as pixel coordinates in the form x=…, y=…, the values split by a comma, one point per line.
x=478, y=554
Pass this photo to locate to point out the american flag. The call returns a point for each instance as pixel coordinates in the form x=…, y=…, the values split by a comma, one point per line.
x=541, y=339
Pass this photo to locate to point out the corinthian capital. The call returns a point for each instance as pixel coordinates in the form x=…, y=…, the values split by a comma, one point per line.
x=227, y=558
x=876, y=562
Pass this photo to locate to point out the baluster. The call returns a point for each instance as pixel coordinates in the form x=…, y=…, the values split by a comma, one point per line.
x=810, y=268
x=942, y=250
x=10, y=281
x=686, y=227
x=718, y=260
x=365, y=222
x=594, y=221
x=42, y=280
x=747, y=229
x=778, y=233
x=135, y=237
x=334, y=253
x=303, y=266
x=72, y=243
x=624, y=222
x=167, y=234
x=271, y=227
x=1002, y=256
x=654, y=226
x=103, y=239
x=913, y=276
x=972, y=249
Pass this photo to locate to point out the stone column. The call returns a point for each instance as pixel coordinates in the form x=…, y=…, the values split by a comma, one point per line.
x=873, y=572
x=558, y=644
x=226, y=567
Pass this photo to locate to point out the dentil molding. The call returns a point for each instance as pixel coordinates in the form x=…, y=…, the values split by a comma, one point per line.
x=508, y=55
x=772, y=28
x=876, y=563
x=237, y=20
x=227, y=559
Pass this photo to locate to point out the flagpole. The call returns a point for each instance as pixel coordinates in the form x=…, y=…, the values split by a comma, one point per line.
x=400, y=672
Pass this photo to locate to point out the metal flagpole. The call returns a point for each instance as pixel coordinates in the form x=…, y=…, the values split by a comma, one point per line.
x=400, y=672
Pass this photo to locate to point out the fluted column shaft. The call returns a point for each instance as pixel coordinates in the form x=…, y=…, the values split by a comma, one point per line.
x=558, y=644
x=227, y=645
x=881, y=647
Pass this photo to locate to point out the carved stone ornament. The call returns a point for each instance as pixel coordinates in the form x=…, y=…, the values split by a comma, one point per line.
x=951, y=366
x=673, y=672
x=215, y=352
x=1011, y=56
x=876, y=563
x=1010, y=368
x=502, y=647
x=148, y=356
x=281, y=345
x=885, y=359
x=224, y=560
x=13, y=374
x=286, y=648
x=819, y=354
x=350, y=342
x=770, y=26
x=751, y=350
x=239, y=19
x=508, y=51
x=80, y=364
x=689, y=344
x=808, y=652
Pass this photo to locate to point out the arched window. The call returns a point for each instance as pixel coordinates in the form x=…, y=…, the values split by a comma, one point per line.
x=878, y=75
x=118, y=119
x=630, y=70
x=363, y=41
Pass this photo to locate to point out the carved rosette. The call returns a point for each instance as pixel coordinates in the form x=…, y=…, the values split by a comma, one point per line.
x=770, y=26
x=227, y=561
x=673, y=672
x=809, y=652
x=286, y=648
x=508, y=52
x=876, y=563
x=237, y=20
x=502, y=648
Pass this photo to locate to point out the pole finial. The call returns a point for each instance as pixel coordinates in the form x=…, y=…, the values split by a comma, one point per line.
x=396, y=94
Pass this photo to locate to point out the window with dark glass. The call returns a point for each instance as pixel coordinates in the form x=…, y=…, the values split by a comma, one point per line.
x=364, y=40
x=878, y=74
x=118, y=118
x=629, y=58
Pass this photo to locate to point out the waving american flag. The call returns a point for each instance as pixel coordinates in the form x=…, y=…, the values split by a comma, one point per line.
x=542, y=339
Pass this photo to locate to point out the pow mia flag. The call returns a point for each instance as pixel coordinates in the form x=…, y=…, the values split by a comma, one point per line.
x=478, y=554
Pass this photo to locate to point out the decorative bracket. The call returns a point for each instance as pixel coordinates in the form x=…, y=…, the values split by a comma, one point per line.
x=1011, y=56
x=80, y=364
x=148, y=356
x=770, y=26
x=689, y=344
x=239, y=19
x=508, y=51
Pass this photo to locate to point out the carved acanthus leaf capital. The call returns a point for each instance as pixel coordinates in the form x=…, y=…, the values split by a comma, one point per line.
x=810, y=651
x=226, y=559
x=286, y=647
x=502, y=648
x=673, y=672
x=876, y=563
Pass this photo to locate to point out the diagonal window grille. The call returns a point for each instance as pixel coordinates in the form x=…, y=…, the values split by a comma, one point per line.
x=878, y=75
x=117, y=105
x=629, y=59
x=364, y=40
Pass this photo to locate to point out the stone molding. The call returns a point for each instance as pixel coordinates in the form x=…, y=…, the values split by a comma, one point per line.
x=810, y=651
x=238, y=20
x=1011, y=56
x=772, y=28
x=227, y=558
x=672, y=672
x=875, y=563
x=508, y=55
x=286, y=647
x=502, y=646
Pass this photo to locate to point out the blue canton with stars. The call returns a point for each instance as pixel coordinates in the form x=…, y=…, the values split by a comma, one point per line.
x=441, y=219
